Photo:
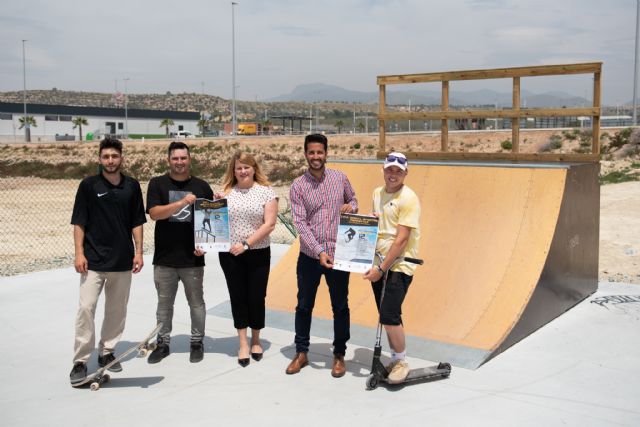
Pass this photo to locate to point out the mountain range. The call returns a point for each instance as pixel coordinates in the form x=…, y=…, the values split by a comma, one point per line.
x=320, y=92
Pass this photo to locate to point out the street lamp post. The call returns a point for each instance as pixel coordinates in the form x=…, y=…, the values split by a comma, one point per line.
x=27, y=129
x=234, y=120
x=635, y=67
x=126, y=114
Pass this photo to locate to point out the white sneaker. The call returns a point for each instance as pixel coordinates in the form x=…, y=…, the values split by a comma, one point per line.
x=390, y=366
x=399, y=372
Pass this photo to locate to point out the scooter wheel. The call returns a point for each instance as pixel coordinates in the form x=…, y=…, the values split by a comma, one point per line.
x=372, y=382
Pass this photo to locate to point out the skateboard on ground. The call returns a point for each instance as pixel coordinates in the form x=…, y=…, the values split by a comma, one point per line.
x=100, y=376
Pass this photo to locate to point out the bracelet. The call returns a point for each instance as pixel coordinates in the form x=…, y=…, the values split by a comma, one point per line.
x=380, y=269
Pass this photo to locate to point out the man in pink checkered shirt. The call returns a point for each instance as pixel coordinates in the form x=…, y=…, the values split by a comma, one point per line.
x=318, y=198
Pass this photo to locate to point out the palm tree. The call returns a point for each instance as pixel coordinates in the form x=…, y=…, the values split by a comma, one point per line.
x=339, y=125
x=266, y=126
x=78, y=122
x=203, y=124
x=166, y=123
x=29, y=121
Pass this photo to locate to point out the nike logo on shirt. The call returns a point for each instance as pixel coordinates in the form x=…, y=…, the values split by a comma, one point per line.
x=102, y=194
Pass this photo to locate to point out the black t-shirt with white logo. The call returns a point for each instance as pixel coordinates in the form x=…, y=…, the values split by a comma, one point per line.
x=174, y=236
x=108, y=214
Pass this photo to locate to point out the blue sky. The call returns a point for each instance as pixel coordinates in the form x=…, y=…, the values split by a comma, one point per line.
x=176, y=46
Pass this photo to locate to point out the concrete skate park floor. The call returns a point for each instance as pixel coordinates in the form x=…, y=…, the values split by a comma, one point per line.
x=581, y=369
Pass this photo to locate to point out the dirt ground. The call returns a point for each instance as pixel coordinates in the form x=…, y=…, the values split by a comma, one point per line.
x=35, y=212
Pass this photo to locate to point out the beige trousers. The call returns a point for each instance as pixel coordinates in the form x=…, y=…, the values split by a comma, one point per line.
x=116, y=286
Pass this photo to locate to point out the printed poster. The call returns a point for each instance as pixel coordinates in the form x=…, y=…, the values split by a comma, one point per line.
x=211, y=225
x=356, y=243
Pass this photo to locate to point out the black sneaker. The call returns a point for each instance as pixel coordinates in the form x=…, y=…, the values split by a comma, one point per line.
x=197, y=352
x=78, y=373
x=161, y=351
x=108, y=358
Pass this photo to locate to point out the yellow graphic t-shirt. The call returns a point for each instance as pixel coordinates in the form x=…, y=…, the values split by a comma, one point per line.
x=393, y=209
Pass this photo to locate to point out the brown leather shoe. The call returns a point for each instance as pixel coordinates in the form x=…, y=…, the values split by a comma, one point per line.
x=298, y=362
x=339, y=368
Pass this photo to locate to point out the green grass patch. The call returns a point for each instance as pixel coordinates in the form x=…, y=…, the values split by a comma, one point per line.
x=145, y=136
x=617, y=177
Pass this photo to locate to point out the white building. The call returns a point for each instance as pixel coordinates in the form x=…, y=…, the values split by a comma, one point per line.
x=53, y=122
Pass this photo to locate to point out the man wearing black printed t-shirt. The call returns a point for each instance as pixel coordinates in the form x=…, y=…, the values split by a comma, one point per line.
x=107, y=212
x=169, y=200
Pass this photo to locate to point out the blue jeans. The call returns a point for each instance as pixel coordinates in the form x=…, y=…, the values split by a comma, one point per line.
x=309, y=272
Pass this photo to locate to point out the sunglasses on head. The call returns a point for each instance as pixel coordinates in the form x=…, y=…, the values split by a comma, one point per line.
x=392, y=158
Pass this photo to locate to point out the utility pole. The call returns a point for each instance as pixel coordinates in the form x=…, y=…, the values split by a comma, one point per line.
x=354, y=118
x=126, y=113
x=635, y=68
x=234, y=120
x=27, y=125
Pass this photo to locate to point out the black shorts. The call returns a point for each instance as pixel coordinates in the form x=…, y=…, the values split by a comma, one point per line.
x=395, y=291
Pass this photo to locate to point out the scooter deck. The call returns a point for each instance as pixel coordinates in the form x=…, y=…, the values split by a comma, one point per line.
x=427, y=373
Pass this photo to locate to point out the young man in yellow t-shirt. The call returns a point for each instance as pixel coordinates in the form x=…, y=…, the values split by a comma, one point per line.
x=398, y=210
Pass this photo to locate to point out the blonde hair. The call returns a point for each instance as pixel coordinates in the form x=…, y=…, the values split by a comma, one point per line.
x=230, y=180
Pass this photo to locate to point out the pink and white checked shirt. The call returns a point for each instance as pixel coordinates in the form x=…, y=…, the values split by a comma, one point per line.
x=316, y=209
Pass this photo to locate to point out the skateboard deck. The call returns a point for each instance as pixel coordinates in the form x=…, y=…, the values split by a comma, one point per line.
x=100, y=376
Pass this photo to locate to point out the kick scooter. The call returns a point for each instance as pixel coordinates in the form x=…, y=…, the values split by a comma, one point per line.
x=379, y=372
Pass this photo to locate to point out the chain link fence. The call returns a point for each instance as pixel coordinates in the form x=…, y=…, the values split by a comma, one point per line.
x=35, y=215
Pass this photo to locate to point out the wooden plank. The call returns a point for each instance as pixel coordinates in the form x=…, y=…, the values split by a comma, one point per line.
x=494, y=73
x=444, y=135
x=382, y=108
x=515, y=122
x=490, y=114
x=595, y=119
x=508, y=157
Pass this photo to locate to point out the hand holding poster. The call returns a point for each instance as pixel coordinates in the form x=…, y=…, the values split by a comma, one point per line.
x=356, y=243
x=211, y=225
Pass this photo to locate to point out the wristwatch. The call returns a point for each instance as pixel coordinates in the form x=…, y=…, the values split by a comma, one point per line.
x=380, y=269
x=245, y=245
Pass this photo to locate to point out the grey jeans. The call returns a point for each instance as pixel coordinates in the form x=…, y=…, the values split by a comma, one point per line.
x=166, y=280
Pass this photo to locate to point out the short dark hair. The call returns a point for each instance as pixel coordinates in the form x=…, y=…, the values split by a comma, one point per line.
x=177, y=145
x=110, y=143
x=315, y=137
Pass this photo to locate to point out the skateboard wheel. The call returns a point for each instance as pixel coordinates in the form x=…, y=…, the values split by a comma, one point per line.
x=372, y=382
x=152, y=346
x=106, y=378
x=142, y=352
x=446, y=366
x=95, y=386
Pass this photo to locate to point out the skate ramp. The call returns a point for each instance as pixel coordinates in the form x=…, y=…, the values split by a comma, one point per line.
x=507, y=248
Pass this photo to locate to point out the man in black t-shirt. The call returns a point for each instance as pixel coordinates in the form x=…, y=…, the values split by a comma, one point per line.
x=107, y=212
x=169, y=200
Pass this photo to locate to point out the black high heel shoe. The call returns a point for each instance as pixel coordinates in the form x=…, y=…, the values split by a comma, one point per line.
x=256, y=356
x=244, y=362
